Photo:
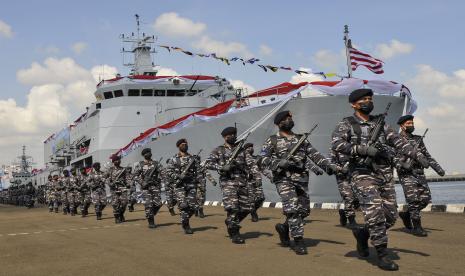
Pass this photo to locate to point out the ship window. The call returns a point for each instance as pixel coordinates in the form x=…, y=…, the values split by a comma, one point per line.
x=176, y=92
x=133, y=92
x=159, y=93
x=108, y=95
x=147, y=92
x=118, y=93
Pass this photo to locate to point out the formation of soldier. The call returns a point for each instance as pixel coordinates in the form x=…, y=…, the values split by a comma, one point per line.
x=364, y=153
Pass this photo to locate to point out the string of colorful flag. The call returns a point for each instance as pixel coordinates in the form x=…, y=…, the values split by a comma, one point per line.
x=251, y=61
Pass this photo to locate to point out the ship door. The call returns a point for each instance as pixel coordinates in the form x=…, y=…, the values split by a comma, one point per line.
x=158, y=112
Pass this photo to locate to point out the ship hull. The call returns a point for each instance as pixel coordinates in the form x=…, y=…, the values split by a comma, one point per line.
x=327, y=111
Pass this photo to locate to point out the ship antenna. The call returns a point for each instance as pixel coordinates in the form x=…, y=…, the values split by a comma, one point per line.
x=138, y=25
x=348, y=44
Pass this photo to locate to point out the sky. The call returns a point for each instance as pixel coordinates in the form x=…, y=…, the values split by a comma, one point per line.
x=53, y=53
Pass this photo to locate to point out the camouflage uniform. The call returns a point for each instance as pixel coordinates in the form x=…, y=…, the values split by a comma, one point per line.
x=132, y=197
x=292, y=184
x=151, y=188
x=99, y=196
x=64, y=183
x=185, y=189
x=413, y=181
x=234, y=185
x=256, y=191
x=117, y=179
x=372, y=184
x=55, y=194
x=73, y=194
x=85, y=197
x=202, y=188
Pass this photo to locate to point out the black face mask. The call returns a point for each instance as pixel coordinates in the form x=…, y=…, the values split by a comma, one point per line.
x=366, y=108
x=231, y=140
x=250, y=150
x=410, y=129
x=148, y=156
x=183, y=148
x=287, y=125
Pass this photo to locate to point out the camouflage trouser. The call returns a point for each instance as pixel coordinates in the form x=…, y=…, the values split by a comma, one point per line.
x=187, y=202
x=55, y=198
x=132, y=198
x=119, y=201
x=378, y=203
x=348, y=197
x=170, y=195
x=64, y=201
x=73, y=201
x=99, y=198
x=49, y=200
x=296, y=204
x=201, y=193
x=29, y=201
x=417, y=193
x=152, y=201
x=257, y=194
x=236, y=200
x=85, y=199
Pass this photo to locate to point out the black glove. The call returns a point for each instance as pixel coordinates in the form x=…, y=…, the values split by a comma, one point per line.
x=317, y=171
x=332, y=169
x=424, y=162
x=226, y=168
x=370, y=151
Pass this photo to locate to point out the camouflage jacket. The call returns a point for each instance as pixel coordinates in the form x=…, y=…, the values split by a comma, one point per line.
x=64, y=183
x=142, y=174
x=345, y=142
x=177, y=164
x=242, y=165
x=416, y=168
x=83, y=182
x=117, y=178
x=272, y=153
x=73, y=183
x=96, y=180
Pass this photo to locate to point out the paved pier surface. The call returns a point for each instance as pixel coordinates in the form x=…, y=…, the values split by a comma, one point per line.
x=35, y=242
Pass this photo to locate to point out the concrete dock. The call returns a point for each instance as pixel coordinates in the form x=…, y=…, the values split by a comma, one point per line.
x=35, y=242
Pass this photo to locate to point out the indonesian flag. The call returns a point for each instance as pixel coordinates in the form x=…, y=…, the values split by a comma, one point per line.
x=358, y=58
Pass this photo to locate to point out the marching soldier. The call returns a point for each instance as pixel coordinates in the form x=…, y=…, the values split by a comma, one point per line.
x=48, y=193
x=85, y=197
x=170, y=192
x=184, y=172
x=117, y=179
x=148, y=174
x=412, y=178
x=64, y=184
x=73, y=194
x=233, y=181
x=55, y=196
x=290, y=175
x=97, y=184
x=256, y=186
x=363, y=139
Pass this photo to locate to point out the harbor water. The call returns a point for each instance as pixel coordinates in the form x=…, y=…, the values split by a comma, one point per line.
x=442, y=193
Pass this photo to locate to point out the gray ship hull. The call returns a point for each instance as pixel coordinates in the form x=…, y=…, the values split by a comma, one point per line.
x=327, y=111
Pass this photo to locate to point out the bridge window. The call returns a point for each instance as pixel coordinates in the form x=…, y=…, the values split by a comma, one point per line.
x=108, y=95
x=147, y=92
x=133, y=92
x=176, y=92
x=159, y=93
x=118, y=93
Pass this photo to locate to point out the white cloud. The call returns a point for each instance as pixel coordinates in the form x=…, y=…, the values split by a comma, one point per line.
x=163, y=71
x=265, y=50
x=392, y=49
x=61, y=89
x=246, y=88
x=221, y=48
x=305, y=77
x=103, y=72
x=173, y=25
x=443, y=110
x=5, y=30
x=79, y=47
x=328, y=59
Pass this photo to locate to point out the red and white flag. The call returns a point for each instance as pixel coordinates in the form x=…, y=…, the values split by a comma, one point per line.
x=358, y=58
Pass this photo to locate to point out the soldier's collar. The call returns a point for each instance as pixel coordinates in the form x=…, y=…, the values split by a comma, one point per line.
x=279, y=135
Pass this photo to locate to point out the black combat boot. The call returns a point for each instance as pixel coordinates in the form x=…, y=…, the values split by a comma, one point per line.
x=83, y=214
x=405, y=216
x=299, y=246
x=230, y=233
x=254, y=215
x=122, y=218
x=418, y=229
x=384, y=262
x=56, y=210
x=65, y=211
x=362, y=235
x=171, y=209
x=201, y=214
x=283, y=231
x=117, y=219
x=151, y=221
x=131, y=208
x=352, y=222
x=236, y=236
x=99, y=215
x=187, y=228
x=342, y=217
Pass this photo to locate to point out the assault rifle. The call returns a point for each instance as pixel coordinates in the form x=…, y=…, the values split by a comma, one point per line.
x=294, y=149
x=186, y=169
x=407, y=164
x=149, y=174
x=237, y=150
x=376, y=132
